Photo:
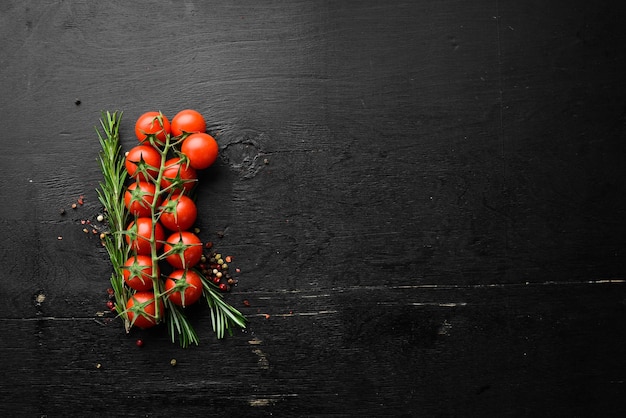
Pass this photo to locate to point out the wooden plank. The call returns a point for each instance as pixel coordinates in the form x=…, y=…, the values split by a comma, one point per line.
x=353, y=352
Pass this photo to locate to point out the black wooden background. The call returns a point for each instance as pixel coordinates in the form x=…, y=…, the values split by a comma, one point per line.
x=424, y=198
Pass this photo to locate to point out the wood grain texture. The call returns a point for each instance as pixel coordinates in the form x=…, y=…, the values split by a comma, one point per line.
x=425, y=200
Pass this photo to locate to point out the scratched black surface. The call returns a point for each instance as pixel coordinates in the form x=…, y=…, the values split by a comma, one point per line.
x=425, y=200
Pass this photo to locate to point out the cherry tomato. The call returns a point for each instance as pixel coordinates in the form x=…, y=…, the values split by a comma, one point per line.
x=190, y=293
x=201, y=149
x=142, y=160
x=181, y=176
x=185, y=248
x=138, y=274
x=140, y=234
x=141, y=309
x=152, y=123
x=138, y=198
x=189, y=121
x=179, y=213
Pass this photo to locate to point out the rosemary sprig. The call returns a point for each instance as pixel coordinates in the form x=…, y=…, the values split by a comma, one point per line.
x=223, y=316
x=110, y=195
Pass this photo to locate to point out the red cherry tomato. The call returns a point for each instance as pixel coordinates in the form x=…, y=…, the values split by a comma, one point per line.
x=141, y=309
x=181, y=176
x=201, y=149
x=152, y=123
x=138, y=274
x=185, y=248
x=189, y=121
x=179, y=213
x=140, y=234
x=138, y=198
x=142, y=160
x=190, y=293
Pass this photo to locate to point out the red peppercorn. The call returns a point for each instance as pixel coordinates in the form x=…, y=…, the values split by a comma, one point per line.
x=139, y=343
x=224, y=287
x=110, y=305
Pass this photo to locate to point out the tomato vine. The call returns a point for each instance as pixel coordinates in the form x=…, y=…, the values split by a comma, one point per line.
x=133, y=189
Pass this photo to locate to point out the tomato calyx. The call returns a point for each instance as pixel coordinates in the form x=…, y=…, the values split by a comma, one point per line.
x=169, y=206
x=144, y=168
x=178, y=175
x=183, y=287
x=178, y=212
x=139, y=197
x=182, y=250
x=140, y=273
x=144, y=309
x=141, y=168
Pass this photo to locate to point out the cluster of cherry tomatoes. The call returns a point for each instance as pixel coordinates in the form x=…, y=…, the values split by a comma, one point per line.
x=163, y=172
